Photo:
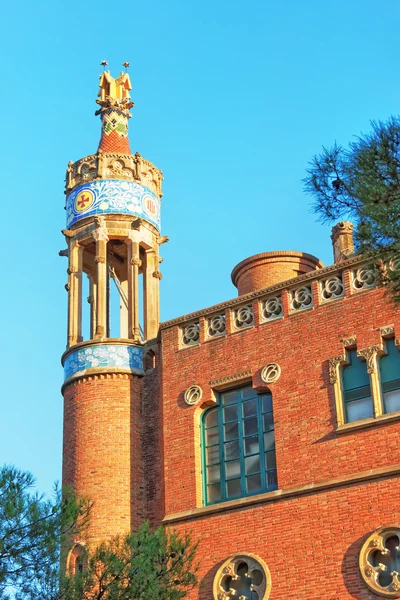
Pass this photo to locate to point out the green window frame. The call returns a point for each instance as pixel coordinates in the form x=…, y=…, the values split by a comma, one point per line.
x=357, y=395
x=389, y=367
x=238, y=446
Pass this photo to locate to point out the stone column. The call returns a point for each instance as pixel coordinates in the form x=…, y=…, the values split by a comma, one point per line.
x=74, y=288
x=124, y=325
x=92, y=296
x=101, y=237
x=152, y=277
x=134, y=263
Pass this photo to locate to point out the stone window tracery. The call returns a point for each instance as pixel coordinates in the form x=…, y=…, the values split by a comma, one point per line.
x=243, y=576
x=216, y=325
x=379, y=562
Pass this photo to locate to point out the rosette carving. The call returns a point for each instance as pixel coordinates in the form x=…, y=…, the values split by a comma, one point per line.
x=193, y=394
x=271, y=372
x=379, y=562
x=243, y=577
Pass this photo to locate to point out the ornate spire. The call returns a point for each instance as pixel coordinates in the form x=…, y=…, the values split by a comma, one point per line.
x=115, y=102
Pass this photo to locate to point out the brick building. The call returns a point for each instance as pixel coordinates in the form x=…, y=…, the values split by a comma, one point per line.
x=268, y=425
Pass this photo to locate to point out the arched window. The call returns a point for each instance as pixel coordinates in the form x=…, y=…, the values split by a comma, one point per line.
x=239, y=446
x=389, y=366
x=356, y=389
x=77, y=560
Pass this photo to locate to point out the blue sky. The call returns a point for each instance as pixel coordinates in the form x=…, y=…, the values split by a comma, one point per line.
x=232, y=100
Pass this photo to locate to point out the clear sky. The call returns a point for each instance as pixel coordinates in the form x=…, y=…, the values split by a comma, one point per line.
x=232, y=100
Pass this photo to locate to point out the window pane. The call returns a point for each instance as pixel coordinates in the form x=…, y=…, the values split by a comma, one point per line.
x=213, y=474
x=267, y=403
x=392, y=401
x=253, y=484
x=248, y=393
x=272, y=481
x=232, y=469
x=268, y=421
x=269, y=441
x=212, y=455
x=231, y=431
x=251, y=445
x=212, y=436
x=233, y=488
x=250, y=426
x=214, y=492
x=252, y=464
x=249, y=408
x=230, y=397
x=270, y=460
x=230, y=413
x=211, y=418
x=232, y=450
x=359, y=409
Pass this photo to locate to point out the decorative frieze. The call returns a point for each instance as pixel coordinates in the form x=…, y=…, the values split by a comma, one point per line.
x=271, y=308
x=231, y=378
x=103, y=356
x=301, y=298
x=332, y=288
x=216, y=325
x=387, y=331
x=190, y=334
x=243, y=317
x=364, y=278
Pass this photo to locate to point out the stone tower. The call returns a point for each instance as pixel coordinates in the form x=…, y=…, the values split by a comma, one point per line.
x=113, y=236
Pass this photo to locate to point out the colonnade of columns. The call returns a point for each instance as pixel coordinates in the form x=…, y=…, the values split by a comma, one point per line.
x=140, y=258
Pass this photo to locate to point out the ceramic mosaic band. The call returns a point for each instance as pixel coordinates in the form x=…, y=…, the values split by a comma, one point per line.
x=114, y=131
x=103, y=355
x=113, y=196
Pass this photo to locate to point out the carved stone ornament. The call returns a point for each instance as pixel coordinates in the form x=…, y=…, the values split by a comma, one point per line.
x=379, y=562
x=350, y=342
x=387, y=331
x=191, y=334
x=193, y=395
x=332, y=288
x=100, y=259
x=136, y=262
x=369, y=355
x=301, y=298
x=216, y=325
x=157, y=275
x=364, y=278
x=334, y=363
x=271, y=372
x=242, y=577
x=271, y=308
x=243, y=317
x=100, y=234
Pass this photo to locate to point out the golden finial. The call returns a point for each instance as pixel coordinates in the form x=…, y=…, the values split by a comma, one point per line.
x=126, y=65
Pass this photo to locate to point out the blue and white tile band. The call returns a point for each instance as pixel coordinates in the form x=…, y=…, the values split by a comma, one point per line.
x=113, y=196
x=103, y=355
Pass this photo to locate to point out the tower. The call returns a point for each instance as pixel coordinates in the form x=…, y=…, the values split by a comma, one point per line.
x=113, y=236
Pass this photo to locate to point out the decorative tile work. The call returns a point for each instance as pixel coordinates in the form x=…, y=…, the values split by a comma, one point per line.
x=108, y=196
x=104, y=355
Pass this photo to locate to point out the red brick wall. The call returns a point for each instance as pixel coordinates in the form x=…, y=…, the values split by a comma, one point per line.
x=310, y=543
x=102, y=450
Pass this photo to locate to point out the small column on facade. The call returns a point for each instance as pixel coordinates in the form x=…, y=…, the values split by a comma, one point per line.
x=152, y=277
x=92, y=302
x=342, y=240
x=134, y=263
x=74, y=287
x=101, y=237
x=123, y=318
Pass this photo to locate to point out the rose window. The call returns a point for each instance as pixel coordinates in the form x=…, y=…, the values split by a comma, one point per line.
x=242, y=577
x=380, y=562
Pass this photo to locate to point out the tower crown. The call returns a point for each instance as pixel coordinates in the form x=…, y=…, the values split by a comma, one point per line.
x=115, y=103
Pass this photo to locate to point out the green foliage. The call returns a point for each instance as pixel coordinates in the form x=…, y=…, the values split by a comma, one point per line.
x=144, y=565
x=362, y=183
x=31, y=528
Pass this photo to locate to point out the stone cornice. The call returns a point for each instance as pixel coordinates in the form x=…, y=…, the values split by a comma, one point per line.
x=285, y=494
x=284, y=285
x=101, y=373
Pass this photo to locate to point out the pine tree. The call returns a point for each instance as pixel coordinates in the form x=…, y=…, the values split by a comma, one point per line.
x=362, y=183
